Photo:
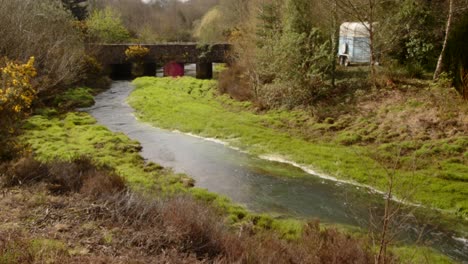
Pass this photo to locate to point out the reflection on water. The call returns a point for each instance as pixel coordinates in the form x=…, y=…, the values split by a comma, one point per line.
x=251, y=181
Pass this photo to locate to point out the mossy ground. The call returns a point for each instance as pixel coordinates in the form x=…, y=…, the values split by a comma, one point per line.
x=334, y=146
x=77, y=134
x=75, y=97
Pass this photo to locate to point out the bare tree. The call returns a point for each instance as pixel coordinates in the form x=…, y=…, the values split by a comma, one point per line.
x=43, y=29
x=398, y=212
x=448, y=26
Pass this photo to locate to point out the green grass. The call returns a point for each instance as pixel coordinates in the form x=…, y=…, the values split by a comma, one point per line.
x=190, y=105
x=75, y=97
x=45, y=250
x=76, y=135
x=413, y=254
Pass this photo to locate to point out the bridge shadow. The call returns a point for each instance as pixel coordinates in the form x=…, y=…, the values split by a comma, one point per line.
x=124, y=71
x=121, y=71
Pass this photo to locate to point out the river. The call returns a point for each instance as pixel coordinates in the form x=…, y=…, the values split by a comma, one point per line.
x=257, y=183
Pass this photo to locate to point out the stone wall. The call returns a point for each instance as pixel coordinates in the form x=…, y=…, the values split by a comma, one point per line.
x=108, y=54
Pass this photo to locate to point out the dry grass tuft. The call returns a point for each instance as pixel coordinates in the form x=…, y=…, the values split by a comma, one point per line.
x=234, y=82
x=79, y=175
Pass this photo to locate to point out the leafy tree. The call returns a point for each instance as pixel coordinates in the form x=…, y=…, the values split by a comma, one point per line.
x=269, y=21
x=106, y=26
x=410, y=37
x=293, y=56
x=211, y=27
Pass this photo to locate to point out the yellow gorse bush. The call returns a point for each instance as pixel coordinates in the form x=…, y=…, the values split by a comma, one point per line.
x=136, y=52
x=16, y=90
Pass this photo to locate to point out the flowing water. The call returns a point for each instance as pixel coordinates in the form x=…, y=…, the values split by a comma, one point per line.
x=257, y=183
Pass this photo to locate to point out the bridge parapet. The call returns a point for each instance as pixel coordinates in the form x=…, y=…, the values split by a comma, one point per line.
x=163, y=53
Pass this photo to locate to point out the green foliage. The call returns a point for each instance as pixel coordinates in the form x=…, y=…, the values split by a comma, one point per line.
x=409, y=33
x=211, y=27
x=292, y=56
x=419, y=255
x=269, y=23
x=297, y=16
x=106, y=26
x=348, y=138
x=75, y=97
x=47, y=249
x=456, y=62
x=36, y=250
x=16, y=97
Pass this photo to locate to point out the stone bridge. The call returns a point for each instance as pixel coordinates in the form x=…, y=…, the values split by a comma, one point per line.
x=167, y=55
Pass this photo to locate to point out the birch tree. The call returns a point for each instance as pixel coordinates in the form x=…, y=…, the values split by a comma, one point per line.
x=448, y=26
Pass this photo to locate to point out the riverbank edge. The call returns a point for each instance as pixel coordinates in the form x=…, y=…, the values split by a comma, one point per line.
x=73, y=135
x=306, y=168
x=163, y=120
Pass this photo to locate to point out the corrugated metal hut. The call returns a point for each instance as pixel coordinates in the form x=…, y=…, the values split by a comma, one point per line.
x=354, y=43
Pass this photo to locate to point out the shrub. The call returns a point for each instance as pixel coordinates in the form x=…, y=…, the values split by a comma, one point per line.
x=43, y=29
x=81, y=175
x=14, y=248
x=16, y=96
x=234, y=82
x=94, y=74
x=23, y=171
x=136, y=52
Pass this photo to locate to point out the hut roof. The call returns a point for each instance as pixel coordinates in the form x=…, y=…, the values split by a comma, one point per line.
x=355, y=29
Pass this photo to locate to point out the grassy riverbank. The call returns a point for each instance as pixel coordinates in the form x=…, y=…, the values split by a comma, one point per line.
x=189, y=105
x=68, y=137
x=74, y=135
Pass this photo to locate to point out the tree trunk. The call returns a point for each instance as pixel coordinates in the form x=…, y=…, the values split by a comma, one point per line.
x=440, y=61
x=381, y=258
x=372, y=51
x=372, y=40
x=335, y=34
